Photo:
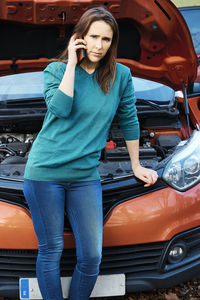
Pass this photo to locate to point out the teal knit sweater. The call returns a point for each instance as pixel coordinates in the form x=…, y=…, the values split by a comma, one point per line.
x=75, y=129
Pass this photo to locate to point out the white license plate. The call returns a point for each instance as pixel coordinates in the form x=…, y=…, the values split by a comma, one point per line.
x=106, y=285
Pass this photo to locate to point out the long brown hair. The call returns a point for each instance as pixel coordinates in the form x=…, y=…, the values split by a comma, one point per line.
x=106, y=70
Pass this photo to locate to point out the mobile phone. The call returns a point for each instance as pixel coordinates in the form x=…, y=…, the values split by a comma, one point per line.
x=81, y=54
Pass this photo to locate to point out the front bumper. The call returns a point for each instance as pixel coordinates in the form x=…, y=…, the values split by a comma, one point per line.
x=170, y=273
x=145, y=266
x=147, y=283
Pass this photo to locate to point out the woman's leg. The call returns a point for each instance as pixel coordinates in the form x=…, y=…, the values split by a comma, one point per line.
x=84, y=208
x=46, y=201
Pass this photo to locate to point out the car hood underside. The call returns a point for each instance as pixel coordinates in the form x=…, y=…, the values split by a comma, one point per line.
x=154, y=39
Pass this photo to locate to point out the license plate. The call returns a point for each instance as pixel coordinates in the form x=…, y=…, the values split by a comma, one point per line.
x=106, y=285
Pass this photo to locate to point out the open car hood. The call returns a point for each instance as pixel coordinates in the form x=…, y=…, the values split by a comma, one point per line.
x=154, y=39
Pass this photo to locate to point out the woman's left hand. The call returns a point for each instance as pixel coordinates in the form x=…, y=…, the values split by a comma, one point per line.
x=147, y=175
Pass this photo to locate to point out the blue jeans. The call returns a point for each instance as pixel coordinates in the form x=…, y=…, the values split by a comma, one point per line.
x=83, y=202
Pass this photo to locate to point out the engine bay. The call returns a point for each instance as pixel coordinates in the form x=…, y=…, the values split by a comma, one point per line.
x=115, y=162
x=160, y=113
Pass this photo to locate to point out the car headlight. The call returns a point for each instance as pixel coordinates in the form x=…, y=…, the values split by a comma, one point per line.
x=183, y=170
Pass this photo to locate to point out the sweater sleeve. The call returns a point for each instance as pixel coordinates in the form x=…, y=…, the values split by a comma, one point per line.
x=127, y=112
x=57, y=102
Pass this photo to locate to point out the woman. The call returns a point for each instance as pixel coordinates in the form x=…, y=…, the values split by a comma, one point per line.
x=61, y=173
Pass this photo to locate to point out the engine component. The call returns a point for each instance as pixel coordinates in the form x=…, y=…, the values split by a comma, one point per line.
x=117, y=137
x=168, y=141
x=121, y=154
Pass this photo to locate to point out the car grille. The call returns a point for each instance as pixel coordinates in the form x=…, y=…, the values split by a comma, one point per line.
x=119, y=191
x=134, y=259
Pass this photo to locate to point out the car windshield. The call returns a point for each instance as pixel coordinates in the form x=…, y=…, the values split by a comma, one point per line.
x=192, y=16
x=152, y=91
x=30, y=86
x=21, y=86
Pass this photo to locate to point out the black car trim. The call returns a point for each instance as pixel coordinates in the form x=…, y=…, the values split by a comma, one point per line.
x=162, y=9
x=120, y=195
x=129, y=259
x=123, y=194
x=24, y=206
x=115, y=192
x=193, y=233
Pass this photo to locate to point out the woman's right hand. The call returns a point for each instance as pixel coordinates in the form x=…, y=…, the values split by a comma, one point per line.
x=74, y=45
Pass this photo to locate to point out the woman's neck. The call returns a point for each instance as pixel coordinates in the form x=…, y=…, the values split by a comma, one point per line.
x=88, y=66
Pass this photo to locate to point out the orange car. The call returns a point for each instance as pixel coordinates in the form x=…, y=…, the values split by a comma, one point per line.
x=151, y=235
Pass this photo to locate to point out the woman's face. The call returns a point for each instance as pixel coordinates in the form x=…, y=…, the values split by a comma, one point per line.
x=98, y=39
